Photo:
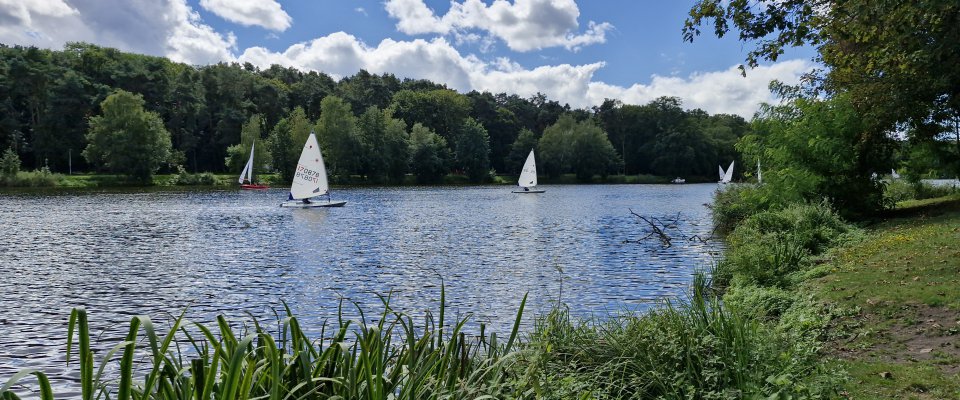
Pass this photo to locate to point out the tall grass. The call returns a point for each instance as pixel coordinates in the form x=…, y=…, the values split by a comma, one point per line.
x=390, y=358
x=689, y=349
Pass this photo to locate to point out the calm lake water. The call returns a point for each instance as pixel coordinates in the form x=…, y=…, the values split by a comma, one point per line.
x=233, y=252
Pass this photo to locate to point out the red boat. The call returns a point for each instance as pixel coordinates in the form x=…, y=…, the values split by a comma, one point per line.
x=253, y=186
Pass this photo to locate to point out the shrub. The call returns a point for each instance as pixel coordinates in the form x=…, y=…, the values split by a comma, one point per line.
x=734, y=203
x=39, y=178
x=762, y=303
x=187, y=179
x=9, y=163
x=769, y=246
x=693, y=349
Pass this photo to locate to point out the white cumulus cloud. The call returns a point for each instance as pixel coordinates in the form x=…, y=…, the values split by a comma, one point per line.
x=341, y=54
x=524, y=25
x=723, y=91
x=264, y=13
x=168, y=28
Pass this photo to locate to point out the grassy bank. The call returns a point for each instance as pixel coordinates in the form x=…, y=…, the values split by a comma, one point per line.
x=880, y=302
x=900, y=285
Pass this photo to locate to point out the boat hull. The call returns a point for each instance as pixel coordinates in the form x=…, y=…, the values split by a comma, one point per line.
x=529, y=191
x=253, y=186
x=300, y=204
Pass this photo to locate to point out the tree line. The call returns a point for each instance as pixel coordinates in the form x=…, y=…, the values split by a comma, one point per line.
x=55, y=106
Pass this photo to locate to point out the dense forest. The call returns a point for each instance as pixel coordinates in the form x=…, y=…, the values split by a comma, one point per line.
x=378, y=127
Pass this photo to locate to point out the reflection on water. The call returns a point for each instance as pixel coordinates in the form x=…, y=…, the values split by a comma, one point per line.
x=232, y=252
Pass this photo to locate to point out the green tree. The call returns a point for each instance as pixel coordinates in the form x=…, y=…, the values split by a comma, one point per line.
x=9, y=163
x=126, y=139
x=384, y=143
x=526, y=141
x=896, y=60
x=286, y=142
x=429, y=155
x=472, y=150
x=578, y=147
x=812, y=149
x=337, y=134
x=443, y=111
x=238, y=154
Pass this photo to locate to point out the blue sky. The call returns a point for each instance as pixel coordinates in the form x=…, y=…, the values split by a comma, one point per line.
x=577, y=52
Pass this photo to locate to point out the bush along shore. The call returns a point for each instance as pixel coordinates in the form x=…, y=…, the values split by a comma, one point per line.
x=803, y=306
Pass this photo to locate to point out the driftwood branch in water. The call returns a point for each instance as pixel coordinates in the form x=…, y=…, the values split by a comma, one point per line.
x=660, y=228
x=664, y=238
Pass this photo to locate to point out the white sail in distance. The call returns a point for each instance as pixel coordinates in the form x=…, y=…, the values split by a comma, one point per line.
x=721, y=172
x=310, y=177
x=528, y=176
x=728, y=176
x=247, y=173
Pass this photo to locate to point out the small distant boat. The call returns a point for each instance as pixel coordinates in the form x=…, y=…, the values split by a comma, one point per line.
x=310, y=179
x=894, y=174
x=678, y=180
x=528, y=177
x=247, y=174
x=726, y=176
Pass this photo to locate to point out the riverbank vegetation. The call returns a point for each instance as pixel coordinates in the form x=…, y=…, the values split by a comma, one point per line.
x=689, y=348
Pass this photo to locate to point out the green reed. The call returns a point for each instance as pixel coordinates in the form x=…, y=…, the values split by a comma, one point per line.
x=392, y=358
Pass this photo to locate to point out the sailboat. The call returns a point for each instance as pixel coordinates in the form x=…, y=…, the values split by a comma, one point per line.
x=247, y=174
x=528, y=176
x=310, y=179
x=894, y=174
x=727, y=176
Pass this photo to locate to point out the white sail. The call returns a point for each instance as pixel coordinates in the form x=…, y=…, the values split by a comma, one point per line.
x=310, y=177
x=894, y=174
x=728, y=176
x=721, y=173
x=528, y=177
x=247, y=173
x=759, y=175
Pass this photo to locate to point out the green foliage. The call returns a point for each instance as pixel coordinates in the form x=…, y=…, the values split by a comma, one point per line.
x=757, y=302
x=39, y=178
x=286, y=142
x=899, y=77
x=695, y=349
x=184, y=178
x=384, y=143
x=526, y=141
x=429, y=155
x=767, y=247
x=238, y=154
x=578, y=147
x=47, y=96
x=901, y=190
x=126, y=139
x=813, y=149
x=338, y=137
x=443, y=110
x=472, y=150
x=9, y=163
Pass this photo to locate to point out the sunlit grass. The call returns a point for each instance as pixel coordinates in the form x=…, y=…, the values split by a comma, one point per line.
x=901, y=282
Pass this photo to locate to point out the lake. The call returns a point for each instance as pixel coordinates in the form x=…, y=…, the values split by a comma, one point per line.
x=120, y=254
